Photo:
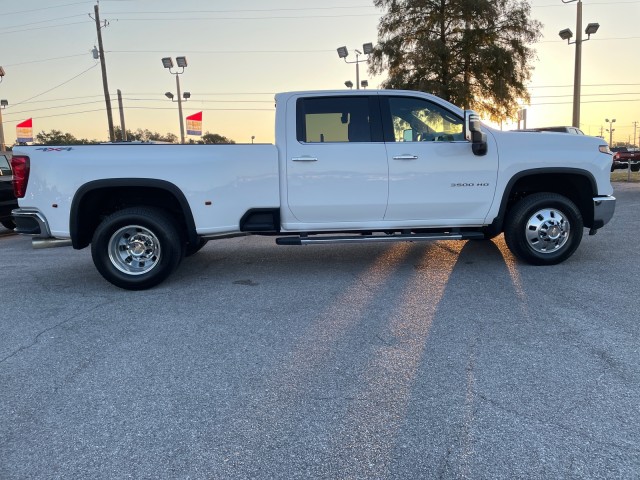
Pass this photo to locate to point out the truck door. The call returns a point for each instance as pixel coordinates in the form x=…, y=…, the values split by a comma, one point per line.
x=336, y=161
x=433, y=174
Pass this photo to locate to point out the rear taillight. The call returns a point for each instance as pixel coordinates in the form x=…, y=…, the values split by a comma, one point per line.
x=20, y=165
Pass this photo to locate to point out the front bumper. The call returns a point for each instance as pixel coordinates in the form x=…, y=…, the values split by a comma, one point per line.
x=603, y=208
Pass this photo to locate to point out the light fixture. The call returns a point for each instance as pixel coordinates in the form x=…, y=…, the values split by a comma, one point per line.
x=167, y=62
x=566, y=34
x=364, y=83
x=348, y=84
x=1, y=72
x=367, y=48
x=5, y=103
x=592, y=28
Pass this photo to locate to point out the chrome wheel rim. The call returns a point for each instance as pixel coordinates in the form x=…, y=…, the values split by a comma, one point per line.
x=547, y=230
x=134, y=250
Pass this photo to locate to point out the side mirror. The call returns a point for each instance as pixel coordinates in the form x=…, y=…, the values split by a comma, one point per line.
x=474, y=133
x=407, y=135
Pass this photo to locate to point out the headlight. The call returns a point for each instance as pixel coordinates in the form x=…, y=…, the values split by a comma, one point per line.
x=605, y=149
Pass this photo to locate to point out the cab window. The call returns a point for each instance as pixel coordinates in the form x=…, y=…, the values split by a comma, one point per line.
x=418, y=120
x=334, y=119
x=5, y=169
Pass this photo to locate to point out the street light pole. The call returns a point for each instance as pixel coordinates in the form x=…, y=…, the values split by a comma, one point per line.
x=358, y=53
x=566, y=34
x=2, y=105
x=180, y=109
x=611, y=129
x=577, y=77
x=3, y=147
x=167, y=62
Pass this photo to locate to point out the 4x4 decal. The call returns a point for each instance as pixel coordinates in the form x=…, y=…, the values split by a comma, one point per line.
x=56, y=149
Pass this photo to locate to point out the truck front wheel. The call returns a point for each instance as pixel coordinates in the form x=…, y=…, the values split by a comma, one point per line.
x=543, y=229
x=136, y=248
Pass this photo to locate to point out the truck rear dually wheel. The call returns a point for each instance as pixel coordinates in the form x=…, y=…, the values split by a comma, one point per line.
x=137, y=248
x=543, y=228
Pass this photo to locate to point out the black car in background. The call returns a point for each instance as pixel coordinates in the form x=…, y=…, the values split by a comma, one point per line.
x=7, y=199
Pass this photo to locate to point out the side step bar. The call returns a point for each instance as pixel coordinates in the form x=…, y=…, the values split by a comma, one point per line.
x=405, y=237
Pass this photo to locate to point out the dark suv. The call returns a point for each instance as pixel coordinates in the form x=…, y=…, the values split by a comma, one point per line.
x=7, y=199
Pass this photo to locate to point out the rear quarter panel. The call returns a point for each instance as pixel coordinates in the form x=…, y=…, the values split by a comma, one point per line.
x=234, y=178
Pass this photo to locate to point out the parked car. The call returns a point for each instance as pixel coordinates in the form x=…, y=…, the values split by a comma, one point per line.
x=571, y=130
x=623, y=156
x=7, y=198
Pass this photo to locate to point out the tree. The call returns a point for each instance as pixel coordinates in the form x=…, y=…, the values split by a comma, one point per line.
x=473, y=53
x=145, y=135
x=56, y=137
x=212, y=138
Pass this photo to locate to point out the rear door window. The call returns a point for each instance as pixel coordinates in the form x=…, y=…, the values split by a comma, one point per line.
x=338, y=120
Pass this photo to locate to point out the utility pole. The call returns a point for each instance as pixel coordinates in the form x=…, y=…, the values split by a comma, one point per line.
x=122, y=127
x=107, y=98
x=2, y=145
x=635, y=128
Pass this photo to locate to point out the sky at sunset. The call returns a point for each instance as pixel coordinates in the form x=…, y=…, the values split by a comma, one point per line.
x=241, y=53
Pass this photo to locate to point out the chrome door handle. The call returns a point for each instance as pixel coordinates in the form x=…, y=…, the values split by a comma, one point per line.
x=406, y=157
x=304, y=159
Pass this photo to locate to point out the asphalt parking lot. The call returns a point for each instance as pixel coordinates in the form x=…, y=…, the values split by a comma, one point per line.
x=440, y=360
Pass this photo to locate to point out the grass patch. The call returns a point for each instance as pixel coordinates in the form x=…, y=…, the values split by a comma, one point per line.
x=622, y=175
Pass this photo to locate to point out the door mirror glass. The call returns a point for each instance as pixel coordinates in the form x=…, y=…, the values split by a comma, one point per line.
x=407, y=135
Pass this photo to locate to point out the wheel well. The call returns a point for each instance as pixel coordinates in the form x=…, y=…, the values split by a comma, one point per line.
x=92, y=205
x=577, y=187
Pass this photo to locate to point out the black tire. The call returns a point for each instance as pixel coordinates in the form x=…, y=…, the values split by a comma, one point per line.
x=193, y=249
x=137, y=248
x=543, y=228
x=8, y=223
x=635, y=168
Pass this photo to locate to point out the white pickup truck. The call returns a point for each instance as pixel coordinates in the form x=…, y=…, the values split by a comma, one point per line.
x=356, y=166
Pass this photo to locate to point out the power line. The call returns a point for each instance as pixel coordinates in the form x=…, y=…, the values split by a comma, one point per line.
x=45, y=60
x=63, y=99
x=209, y=109
x=234, y=52
x=589, y=101
x=44, y=8
x=54, y=107
x=291, y=17
x=10, y=32
x=587, y=85
x=57, y=86
x=586, y=95
x=197, y=100
x=46, y=21
x=62, y=114
x=260, y=10
x=595, y=38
